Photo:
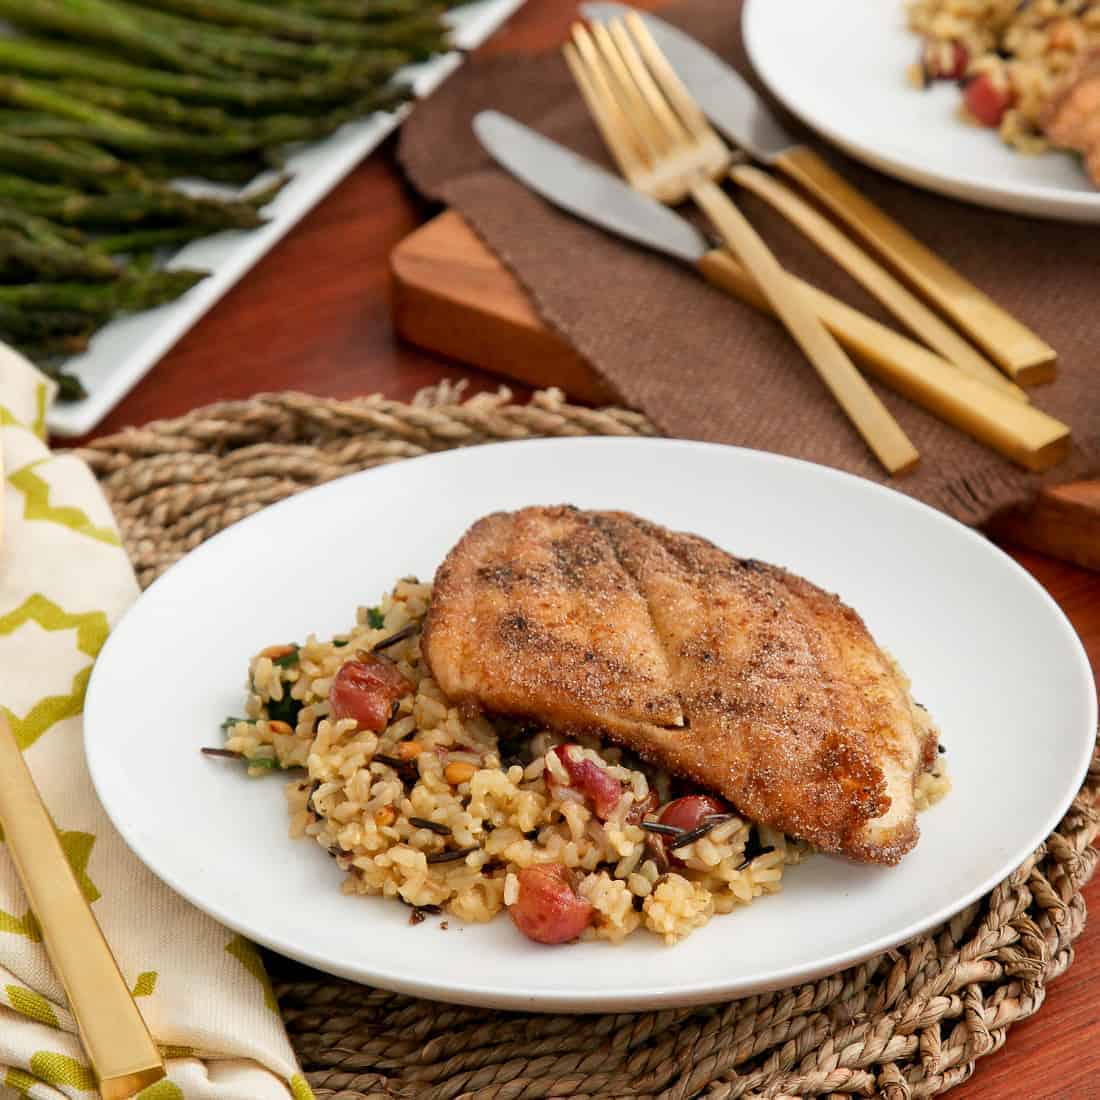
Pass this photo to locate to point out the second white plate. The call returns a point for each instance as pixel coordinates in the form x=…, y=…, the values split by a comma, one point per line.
x=988, y=651
x=840, y=66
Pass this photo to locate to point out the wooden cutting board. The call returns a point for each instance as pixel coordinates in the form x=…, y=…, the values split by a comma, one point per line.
x=452, y=295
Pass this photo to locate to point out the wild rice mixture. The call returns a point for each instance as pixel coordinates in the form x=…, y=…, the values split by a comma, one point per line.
x=1011, y=56
x=447, y=811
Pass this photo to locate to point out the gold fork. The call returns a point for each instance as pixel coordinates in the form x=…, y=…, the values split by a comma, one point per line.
x=666, y=149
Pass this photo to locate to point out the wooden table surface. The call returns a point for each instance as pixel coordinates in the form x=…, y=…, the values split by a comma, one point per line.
x=314, y=316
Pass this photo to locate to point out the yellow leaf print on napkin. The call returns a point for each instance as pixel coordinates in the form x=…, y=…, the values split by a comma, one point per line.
x=247, y=955
x=26, y=925
x=162, y=1090
x=31, y=1004
x=91, y=633
x=37, y=507
x=145, y=984
x=60, y=1069
x=20, y=1081
x=77, y=848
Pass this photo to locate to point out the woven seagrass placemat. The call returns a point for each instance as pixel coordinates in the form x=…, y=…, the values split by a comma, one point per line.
x=909, y=1023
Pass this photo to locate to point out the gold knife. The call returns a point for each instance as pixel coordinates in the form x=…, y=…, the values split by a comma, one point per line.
x=122, y=1053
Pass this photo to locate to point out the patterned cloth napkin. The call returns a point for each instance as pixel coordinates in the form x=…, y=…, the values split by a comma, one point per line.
x=64, y=582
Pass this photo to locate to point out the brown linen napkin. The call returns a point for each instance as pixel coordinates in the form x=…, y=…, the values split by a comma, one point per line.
x=702, y=365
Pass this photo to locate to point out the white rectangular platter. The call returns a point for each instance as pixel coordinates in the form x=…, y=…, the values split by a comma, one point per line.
x=123, y=352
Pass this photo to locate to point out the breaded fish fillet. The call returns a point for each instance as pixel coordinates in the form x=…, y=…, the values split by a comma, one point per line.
x=740, y=676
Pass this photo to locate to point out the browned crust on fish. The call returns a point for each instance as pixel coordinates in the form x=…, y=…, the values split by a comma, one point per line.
x=738, y=675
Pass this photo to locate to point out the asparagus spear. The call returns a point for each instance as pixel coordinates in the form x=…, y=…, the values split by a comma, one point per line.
x=236, y=171
x=101, y=21
x=41, y=324
x=353, y=10
x=141, y=241
x=69, y=387
x=249, y=49
x=154, y=206
x=147, y=107
x=39, y=58
x=291, y=24
x=124, y=139
x=48, y=349
x=126, y=293
x=48, y=160
x=122, y=134
x=44, y=262
x=36, y=229
x=42, y=97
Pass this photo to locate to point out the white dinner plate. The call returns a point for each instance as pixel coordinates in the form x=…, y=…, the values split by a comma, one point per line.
x=989, y=653
x=840, y=65
x=125, y=350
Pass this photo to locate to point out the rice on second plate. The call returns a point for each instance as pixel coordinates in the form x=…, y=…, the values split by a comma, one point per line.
x=445, y=810
x=1012, y=55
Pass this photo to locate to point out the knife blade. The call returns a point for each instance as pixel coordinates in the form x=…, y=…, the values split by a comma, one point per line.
x=583, y=189
x=730, y=103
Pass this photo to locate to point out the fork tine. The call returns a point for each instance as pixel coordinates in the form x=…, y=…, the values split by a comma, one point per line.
x=620, y=104
x=618, y=38
x=632, y=96
x=619, y=148
x=673, y=88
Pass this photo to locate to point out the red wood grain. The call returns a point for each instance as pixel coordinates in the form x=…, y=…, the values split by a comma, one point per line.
x=314, y=316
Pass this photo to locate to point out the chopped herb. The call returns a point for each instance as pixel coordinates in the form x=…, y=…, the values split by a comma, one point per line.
x=393, y=639
x=268, y=762
x=375, y=619
x=230, y=722
x=664, y=830
x=252, y=761
x=339, y=643
x=288, y=659
x=431, y=826
x=450, y=857
x=284, y=710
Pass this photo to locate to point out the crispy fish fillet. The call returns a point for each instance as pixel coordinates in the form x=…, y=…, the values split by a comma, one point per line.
x=738, y=675
x=1072, y=117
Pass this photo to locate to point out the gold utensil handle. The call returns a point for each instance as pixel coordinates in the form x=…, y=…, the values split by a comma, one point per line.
x=1015, y=348
x=871, y=418
x=119, y=1046
x=898, y=299
x=1020, y=432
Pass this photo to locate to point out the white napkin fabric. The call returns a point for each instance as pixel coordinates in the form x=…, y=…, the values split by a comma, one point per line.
x=64, y=582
